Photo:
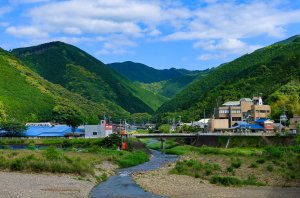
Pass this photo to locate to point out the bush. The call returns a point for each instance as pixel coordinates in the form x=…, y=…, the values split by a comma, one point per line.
x=226, y=181
x=112, y=141
x=52, y=153
x=233, y=181
x=253, y=165
x=270, y=168
x=275, y=152
x=17, y=165
x=132, y=159
x=261, y=160
x=236, y=162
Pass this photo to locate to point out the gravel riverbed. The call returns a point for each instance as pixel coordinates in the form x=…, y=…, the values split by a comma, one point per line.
x=160, y=182
x=23, y=185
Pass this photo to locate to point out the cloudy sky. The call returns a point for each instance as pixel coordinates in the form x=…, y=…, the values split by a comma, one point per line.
x=190, y=34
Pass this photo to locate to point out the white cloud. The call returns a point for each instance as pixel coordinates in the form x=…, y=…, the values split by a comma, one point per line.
x=206, y=57
x=4, y=10
x=233, y=20
x=229, y=45
x=116, y=45
x=22, y=31
x=214, y=25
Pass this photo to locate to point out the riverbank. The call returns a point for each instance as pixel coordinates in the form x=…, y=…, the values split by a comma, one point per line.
x=25, y=185
x=160, y=182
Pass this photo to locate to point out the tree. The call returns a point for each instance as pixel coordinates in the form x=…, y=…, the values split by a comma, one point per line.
x=3, y=115
x=68, y=115
x=13, y=127
x=165, y=128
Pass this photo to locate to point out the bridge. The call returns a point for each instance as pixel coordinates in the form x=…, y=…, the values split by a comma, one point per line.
x=164, y=136
x=193, y=135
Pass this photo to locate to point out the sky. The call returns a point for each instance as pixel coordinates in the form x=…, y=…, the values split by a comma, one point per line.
x=190, y=34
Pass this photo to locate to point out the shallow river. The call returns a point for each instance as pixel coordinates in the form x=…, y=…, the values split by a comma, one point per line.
x=122, y=184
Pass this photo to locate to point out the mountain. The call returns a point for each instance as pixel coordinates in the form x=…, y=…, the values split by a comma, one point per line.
x=26, y=96
x=264, y=71
x=169, y=88
x=167, y=82
x=145, y=74
x=79, y=72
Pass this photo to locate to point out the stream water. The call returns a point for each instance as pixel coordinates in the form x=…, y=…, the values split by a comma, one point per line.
x=122, y=184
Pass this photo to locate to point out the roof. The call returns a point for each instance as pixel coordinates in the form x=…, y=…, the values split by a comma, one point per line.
x=246, y=99
x=232, y=103
x=248, y=126
x=261, y=120
x=46, y=131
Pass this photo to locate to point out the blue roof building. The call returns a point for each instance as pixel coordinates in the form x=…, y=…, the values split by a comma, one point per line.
x=48, y=131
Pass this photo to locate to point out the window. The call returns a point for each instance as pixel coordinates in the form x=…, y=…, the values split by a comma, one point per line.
x=223, y=111
x=235, y=111
x=95, y=133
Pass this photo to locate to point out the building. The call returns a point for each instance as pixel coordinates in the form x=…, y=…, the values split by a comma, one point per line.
x=49, y=130
x=104, y=129
x=218, y=124
x=245, y=109
x=294, y=122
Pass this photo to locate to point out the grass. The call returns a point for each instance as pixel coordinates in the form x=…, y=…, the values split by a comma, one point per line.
x=274, y=165
x=181, y=150
x=168, y=145
x=80, y=160
x=234, y=181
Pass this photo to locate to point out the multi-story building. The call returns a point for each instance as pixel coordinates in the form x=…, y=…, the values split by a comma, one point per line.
x=243, y=110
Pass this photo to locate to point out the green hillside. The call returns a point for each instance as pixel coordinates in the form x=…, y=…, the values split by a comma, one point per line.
x=81, y=73
x=26, y=96
x=167, y=82
x=145, y=74
x=264, y=71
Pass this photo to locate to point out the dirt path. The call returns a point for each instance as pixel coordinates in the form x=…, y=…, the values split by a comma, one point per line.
x=14, y=184
x=161, y=183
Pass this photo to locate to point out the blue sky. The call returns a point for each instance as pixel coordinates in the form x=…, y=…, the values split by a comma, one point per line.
x=189, y=34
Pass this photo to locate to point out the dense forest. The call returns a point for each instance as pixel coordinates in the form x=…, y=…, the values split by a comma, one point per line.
x=166, y=82
x=38, y=81
x=26, y=96
x=268, y=71
x=81, y=73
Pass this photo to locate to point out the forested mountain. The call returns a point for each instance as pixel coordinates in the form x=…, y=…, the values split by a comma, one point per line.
x=79, y=72
x=145, y=74
x=167, y=82
x=267, y=71
x=26, y=96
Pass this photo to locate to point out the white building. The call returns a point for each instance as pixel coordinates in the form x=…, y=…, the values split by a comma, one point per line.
x=98, y=131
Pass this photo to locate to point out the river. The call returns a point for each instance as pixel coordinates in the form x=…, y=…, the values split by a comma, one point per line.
x=123, y=185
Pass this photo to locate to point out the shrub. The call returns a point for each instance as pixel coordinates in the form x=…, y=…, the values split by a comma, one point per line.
x=52, y=153
x=112, y=141
x=253, y=165
x=17, y=165
x=271, y=151
x=236, y=162
x=270, y=168
x=261, y=160
x=230, y=169
x=132, y=159
x=226, y=181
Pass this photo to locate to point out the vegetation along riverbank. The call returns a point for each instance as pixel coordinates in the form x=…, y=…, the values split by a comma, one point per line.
x=75, y=164
x=218, y=172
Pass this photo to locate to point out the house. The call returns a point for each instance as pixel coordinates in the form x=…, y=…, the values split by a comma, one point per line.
x=245, y=109
x=104, y=129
